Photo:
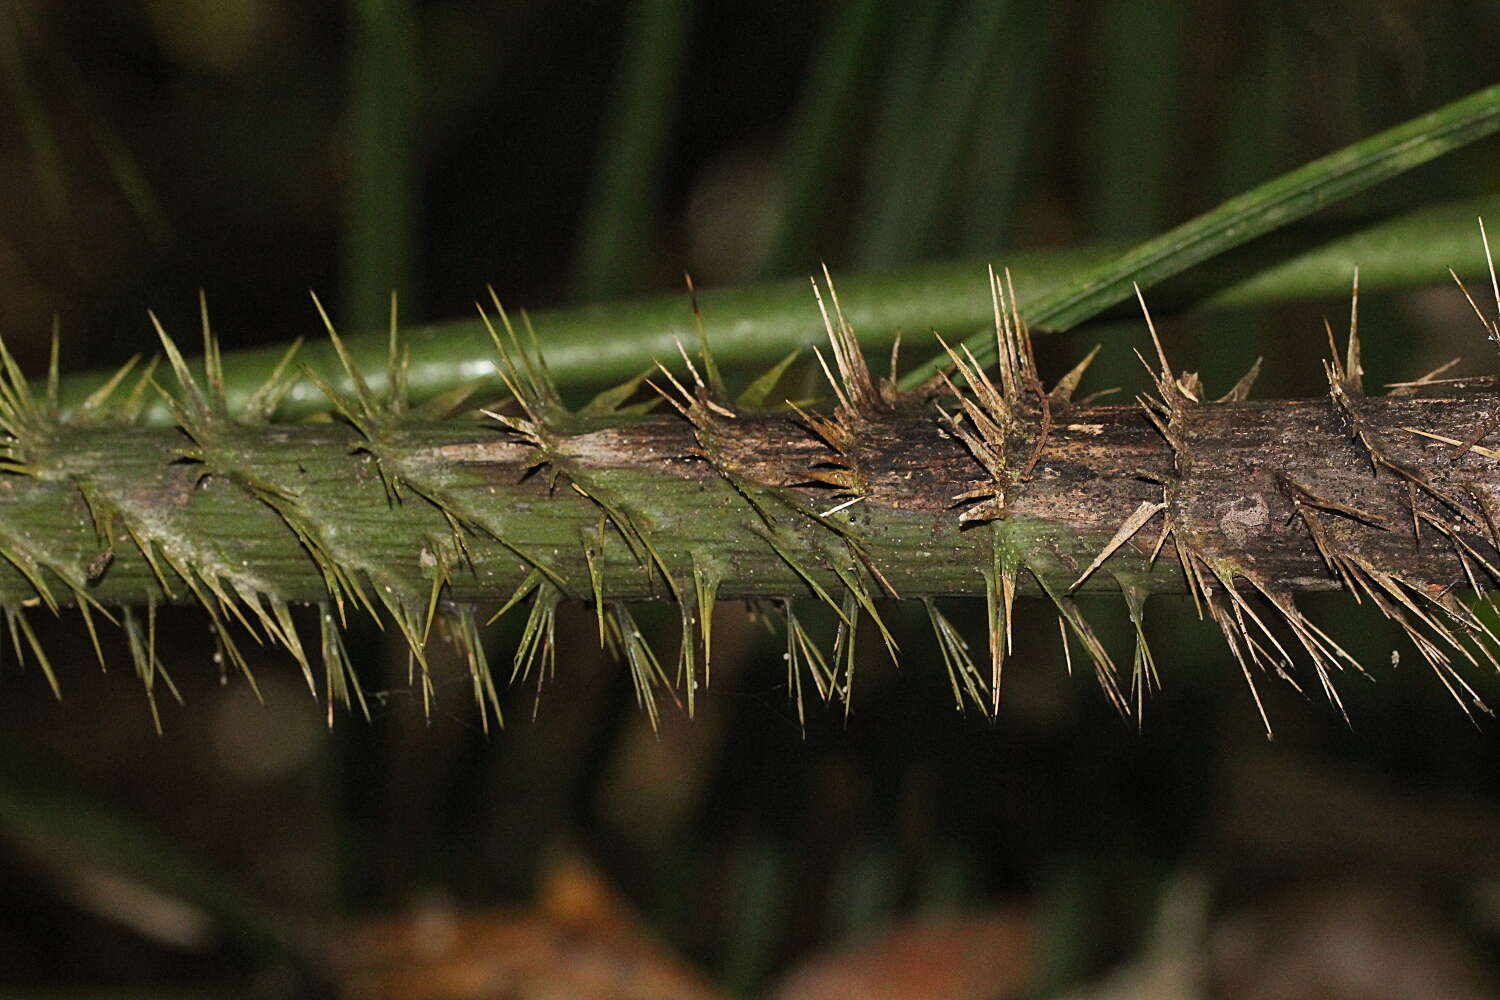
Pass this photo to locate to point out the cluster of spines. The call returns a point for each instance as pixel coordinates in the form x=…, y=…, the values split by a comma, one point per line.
x=1004, y=423
x=1436, y=622
x=993, y=417
x=702, y=400
x=30, y=427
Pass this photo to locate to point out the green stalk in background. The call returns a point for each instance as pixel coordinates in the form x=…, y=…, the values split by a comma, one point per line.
x=381, y=236
x=755, y=325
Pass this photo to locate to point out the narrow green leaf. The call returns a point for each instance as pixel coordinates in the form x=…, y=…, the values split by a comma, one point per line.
x=1276, y=203
x=383, y=206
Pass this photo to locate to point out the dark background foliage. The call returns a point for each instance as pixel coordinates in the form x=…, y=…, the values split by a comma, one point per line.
x=257, y=148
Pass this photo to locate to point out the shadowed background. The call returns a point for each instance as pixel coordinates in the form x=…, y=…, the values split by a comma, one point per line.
x=570, y=152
